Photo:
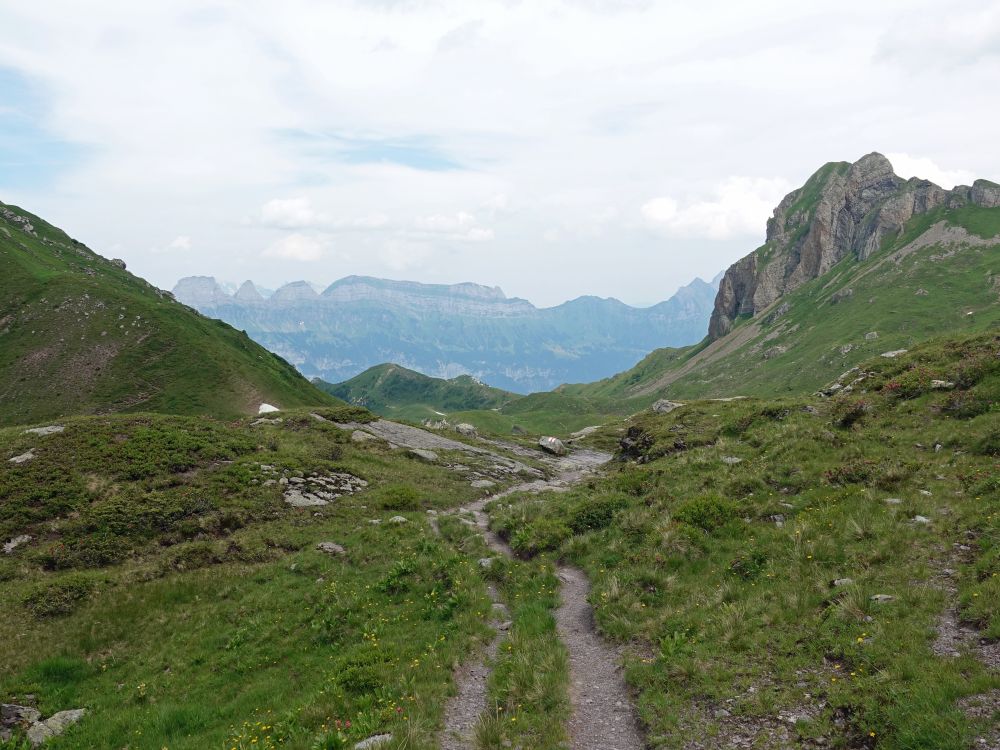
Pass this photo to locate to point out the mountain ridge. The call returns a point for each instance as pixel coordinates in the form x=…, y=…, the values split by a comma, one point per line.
x=446, y=330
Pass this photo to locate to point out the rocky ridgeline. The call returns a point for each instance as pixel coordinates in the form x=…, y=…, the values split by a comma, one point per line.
x=844, y=209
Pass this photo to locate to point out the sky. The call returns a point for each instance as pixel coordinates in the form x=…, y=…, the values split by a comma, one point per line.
x=554, y=148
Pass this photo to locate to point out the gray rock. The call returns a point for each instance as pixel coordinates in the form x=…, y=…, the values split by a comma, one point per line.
x=299, y=499
x=942, y=385
x=54, y=725
x=580, y=434
x=552, y=445
x=893, y=501
x=664, y=406
x=464, y=428
x=480, y=484
x=397, y=519
x=843, y=582
x=424, y=455
x=882, y=598
x=23, y=458
x=731, y=460
x=894, y=353
x=13, y=715
x=486, y=563
x=361, y=437
x=374, y=741
x=331, y=548
x=921, y=519
x=16, y=542
x=871, y=335
x=264, y=420
x=50, y=430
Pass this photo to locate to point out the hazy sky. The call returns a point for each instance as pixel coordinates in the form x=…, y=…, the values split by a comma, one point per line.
x=552, y=147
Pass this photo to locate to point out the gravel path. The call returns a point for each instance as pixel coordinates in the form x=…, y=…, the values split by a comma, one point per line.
x=602, y=716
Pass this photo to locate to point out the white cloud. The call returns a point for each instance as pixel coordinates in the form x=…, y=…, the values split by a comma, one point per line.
x=295, y=247
x=908, y=166
x=181, y=243
x=461, y=226
x=740, y=206
x=289, y=213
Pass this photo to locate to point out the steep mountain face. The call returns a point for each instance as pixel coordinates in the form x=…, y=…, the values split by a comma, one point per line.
x=79, y=334
x=450, y=330
x=858, y=263
x=843, y=210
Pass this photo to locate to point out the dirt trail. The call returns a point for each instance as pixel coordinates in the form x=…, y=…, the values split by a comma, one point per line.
x=602, y=716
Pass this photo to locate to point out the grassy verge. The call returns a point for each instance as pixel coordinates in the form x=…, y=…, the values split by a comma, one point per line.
x=715, y=549
x=171, y=591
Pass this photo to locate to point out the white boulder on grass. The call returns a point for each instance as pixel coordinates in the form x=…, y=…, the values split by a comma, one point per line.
x=267, y=408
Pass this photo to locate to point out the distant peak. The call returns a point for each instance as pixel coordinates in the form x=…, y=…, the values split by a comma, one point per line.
x=248, y=293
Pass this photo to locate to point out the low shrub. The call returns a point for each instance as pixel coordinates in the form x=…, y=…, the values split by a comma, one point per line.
x=58, y=597
x=595, y=513
x=707, y=513
x=541, y=535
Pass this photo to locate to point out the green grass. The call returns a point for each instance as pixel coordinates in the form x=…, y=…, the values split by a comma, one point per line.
x=822, y=332
x=172, y=593
x=726, y=609
x=78, y=334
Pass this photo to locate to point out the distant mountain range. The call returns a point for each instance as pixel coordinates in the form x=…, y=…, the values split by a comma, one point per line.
x=450, y=330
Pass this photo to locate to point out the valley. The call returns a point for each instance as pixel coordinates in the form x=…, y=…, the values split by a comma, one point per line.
x=786, y=535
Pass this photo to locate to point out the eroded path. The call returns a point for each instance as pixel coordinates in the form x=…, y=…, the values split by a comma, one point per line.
x=602, y=716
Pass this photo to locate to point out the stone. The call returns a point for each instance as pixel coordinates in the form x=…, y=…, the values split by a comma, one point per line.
x=921, y=519
x=665, y=406
x=23, y=458
x=552, y=445
x=13, y=715
x=486, y=563
x=267, y=409
x=893, y=501
x=54, y=725
x=424, y=455
x=925, y=493
x=942, y=385
x=882, y=598
x=362, y=437
x=16, y=542
x=731, y=460
x=580, y=434
x=375, y=740
x=397, y=519
x=264, y=420
x=331, y=548
x=464, y=428
x=50, y=430
x=894, y=353
x=846, y=348
x=871, y=335
x=921, y=292
x=838, y=582
x=481, y=484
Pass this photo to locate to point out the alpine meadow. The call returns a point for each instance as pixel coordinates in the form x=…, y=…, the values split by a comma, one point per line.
x=360, y=502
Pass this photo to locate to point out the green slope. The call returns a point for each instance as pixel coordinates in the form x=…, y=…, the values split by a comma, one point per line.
x=79, y=334
x=394, y=391
x=922, y=284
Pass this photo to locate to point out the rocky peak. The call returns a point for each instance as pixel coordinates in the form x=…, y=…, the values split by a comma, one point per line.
x=248, y=294
x=200, y=292
x=843, y=209
x=296, y=291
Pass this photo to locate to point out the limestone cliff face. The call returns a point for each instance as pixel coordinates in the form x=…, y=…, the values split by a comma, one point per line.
x=844, y=209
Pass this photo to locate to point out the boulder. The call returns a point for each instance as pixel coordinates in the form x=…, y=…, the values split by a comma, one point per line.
x=664, y=406
x=331, y=548
x=23, y=458
x=871, y=335
x=50, y=430
x=842, y=582
x=16, y=542
x=376, y=740
x=942, y=385
x=731, y=460
x=267, y=409
x=481, y=484
x=464, y=428
x=362, y=437
x=882, y=598
x=552, y=445
x=397, y=519
x=894, y=353
x=54, y=725
x=424, y=455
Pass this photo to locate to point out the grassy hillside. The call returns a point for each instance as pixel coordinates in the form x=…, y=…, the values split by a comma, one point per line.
x=79, y=334
x=802, y=572
x=169, y=590
x=396, y=392
x=940, y=276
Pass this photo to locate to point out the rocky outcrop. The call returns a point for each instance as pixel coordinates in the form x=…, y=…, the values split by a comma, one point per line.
x=842, y=210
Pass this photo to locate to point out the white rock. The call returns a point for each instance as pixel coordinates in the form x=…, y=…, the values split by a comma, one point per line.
x=553, y=445
x=54, y=725
x=843, y=582
x=480, y=484
x=397, y=519
x=893, y=501
x=894, y=353
x=15, y=543
x=424, y=455
x=731, y=460
x=665, y=406
x=23, y=458
x=50, y=430
x=373, y=741
x=466, y=429
x=267, y=409
x=331, y=548
x=921, y=519
x=882, y=598
x=942, y=385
